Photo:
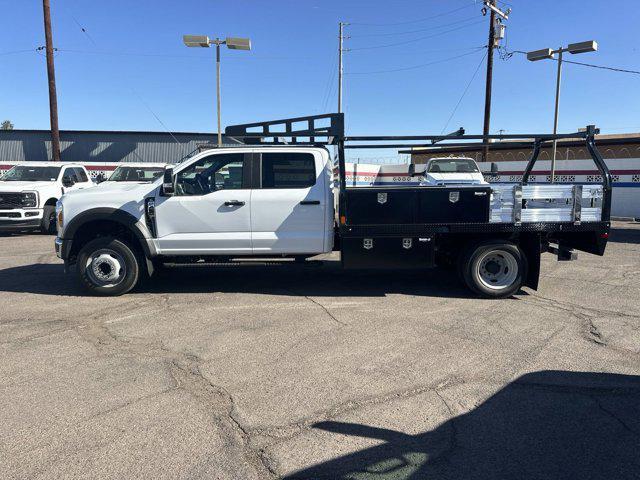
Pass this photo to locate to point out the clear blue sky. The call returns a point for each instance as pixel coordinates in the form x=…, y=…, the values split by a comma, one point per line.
x=131, y=61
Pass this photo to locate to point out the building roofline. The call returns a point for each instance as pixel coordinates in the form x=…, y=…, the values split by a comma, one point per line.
x=504, y=145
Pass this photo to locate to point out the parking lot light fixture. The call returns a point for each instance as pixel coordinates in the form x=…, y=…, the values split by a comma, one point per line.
x=232, y=43
x=546, y=53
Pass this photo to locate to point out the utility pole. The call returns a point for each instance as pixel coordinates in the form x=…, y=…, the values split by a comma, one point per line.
x=218, y=42
x=53, y=102
x=341, y=38
x=491, y=44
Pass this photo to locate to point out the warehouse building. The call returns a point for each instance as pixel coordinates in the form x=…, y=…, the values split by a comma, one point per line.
x=85, y=146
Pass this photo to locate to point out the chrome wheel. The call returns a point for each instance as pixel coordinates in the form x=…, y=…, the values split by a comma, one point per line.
x=106, y=268
x=497, y=269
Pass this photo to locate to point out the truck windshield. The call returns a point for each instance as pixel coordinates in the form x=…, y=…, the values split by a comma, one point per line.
x=453, y=165
x=22, y=173
x=136, y=174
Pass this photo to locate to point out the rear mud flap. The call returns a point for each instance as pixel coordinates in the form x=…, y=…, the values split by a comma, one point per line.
x=531, y=247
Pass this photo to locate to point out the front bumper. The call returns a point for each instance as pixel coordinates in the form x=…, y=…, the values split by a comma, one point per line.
x=20, y=219
x=63, y=247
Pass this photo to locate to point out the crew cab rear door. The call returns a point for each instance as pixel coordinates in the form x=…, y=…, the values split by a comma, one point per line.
x=291, y=211
x=210, y=211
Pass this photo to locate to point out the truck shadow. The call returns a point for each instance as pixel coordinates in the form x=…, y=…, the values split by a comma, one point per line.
x=625, y=235
x=327, y=280
x=544, y=425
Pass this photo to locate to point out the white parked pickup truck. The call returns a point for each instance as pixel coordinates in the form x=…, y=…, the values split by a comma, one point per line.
x=29, y=192
x=452, y=170
x=268, y=199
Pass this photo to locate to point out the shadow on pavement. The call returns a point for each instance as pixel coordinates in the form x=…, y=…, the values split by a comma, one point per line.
x=625, y=235
x=327, y=279
x=544, y=425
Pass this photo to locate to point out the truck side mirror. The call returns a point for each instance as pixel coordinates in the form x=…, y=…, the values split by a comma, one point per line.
x=494, y=168
x=67, y=181
x=168, y=187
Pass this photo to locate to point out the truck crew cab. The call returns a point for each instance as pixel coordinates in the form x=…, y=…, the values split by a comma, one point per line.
x=267, y=198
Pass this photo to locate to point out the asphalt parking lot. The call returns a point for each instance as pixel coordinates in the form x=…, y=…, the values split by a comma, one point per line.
x=308, y=372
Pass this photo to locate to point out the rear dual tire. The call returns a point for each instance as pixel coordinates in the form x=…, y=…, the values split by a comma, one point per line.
x=108, y=266
x=493, y=269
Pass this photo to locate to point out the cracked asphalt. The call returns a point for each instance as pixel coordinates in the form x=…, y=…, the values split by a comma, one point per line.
x=307, y=372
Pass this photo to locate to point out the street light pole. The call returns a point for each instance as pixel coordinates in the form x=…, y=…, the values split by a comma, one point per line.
x=555, y=117
x=546, y=53
x=231, y=43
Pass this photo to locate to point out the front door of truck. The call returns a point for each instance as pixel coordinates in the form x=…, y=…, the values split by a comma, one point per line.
x=290, y=208
x=210, y=211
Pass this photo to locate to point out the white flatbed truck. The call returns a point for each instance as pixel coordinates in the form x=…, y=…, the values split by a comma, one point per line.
x=268, y=198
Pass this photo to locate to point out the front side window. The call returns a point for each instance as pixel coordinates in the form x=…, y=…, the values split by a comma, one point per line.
x=21, y=173
x=210, y=174
x=136, y=174
x=453, y=165
x=288, y=170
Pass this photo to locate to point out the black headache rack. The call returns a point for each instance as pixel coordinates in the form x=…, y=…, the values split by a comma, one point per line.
x=328, y=129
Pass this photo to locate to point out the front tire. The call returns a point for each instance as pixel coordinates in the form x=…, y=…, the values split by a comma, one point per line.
x=108, y=266
x=48, y=223
x=494, y=269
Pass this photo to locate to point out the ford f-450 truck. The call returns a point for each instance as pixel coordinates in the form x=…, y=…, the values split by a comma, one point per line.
x=29, y=192
x=274, y=195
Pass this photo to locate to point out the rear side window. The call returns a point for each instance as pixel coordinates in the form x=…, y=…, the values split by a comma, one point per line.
x=288, y=170
x=82, y=177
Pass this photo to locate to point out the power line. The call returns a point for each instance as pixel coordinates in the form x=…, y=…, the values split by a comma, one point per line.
x=413, y=67
x=154, y=114
x=84, y=30
x=374, y=47
x=591, y=65
x=613, y=69
x=329, y=85
x=414, y=31
x=464, y=92
x=18, y=51
x=414, y=21
x=140, y=98
x=164, y=55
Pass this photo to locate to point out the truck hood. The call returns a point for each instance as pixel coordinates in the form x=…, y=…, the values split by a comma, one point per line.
x=21, y=186
x=113, y=189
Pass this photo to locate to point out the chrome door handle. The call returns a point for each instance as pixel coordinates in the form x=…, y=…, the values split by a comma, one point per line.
x=310, y=202
x=233, y=203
